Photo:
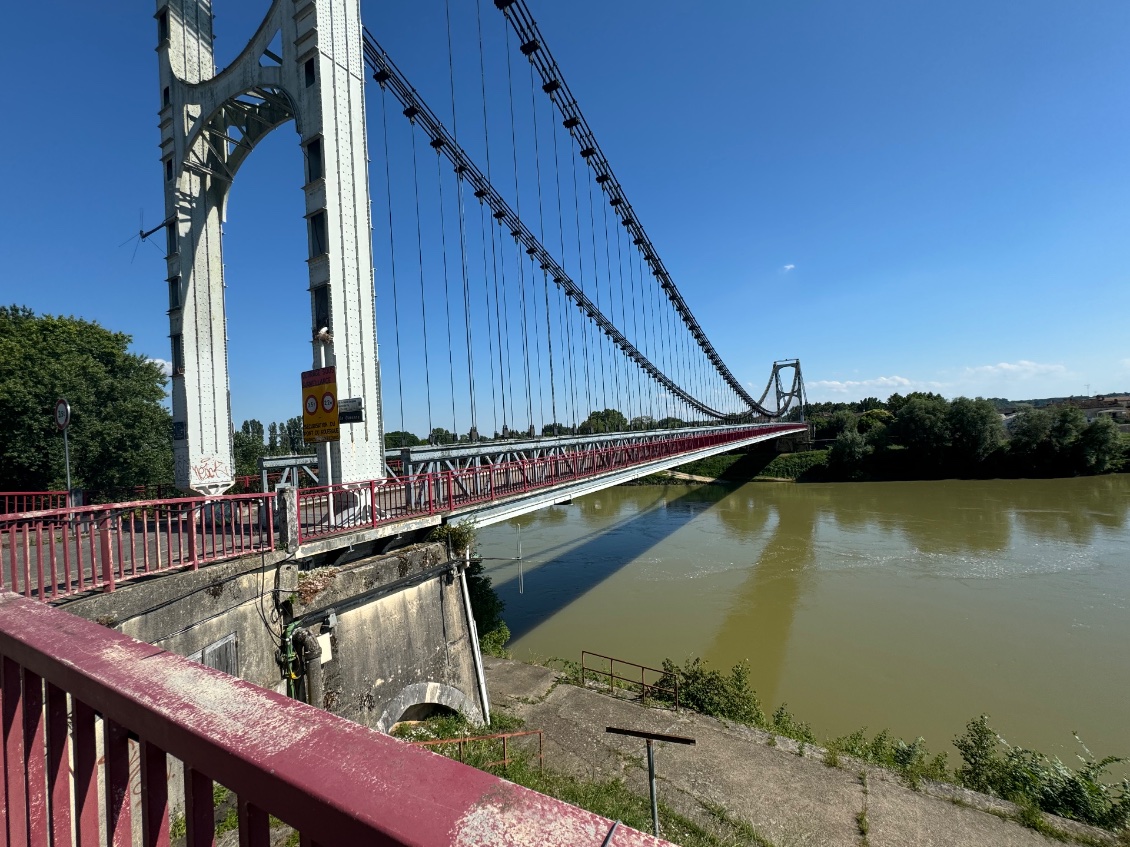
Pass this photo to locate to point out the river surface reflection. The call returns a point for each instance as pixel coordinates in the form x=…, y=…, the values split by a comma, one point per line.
x=908, y=605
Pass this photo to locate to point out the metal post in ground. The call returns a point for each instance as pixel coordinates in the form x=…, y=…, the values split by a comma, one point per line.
x=651, y=783
x=650, y=738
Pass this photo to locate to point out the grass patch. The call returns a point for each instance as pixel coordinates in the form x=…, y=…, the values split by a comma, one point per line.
x=610, y=798
x=712, y=466
x=797, y=466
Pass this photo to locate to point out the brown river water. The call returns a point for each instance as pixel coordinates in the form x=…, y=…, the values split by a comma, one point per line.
x=912, y=606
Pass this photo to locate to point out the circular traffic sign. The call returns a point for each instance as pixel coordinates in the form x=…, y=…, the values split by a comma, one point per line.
x=62, y=413
x=311, y=404
x=328, y=402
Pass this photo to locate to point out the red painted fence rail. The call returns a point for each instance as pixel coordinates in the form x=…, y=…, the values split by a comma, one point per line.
x=31, y=501
x=55, y=552
x=64, y=680
x=329, y=509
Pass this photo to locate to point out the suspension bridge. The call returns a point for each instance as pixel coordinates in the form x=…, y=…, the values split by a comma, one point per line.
x=518, y=297
x=524, y=304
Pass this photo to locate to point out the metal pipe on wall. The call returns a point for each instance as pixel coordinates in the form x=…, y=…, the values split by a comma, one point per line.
x=479, y=674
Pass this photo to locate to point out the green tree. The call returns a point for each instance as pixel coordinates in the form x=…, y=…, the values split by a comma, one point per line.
x=399, y=438
x=609, y=420
x=1100, y=446
x=119, y=433
x=439, y=435
x=873, y=420
x=248, y=447
x=895, y=402
x=1028, y=434
x=921, y=426
x=1068, y=424
x=975, y=430
x=291, y=442
x=848, y=453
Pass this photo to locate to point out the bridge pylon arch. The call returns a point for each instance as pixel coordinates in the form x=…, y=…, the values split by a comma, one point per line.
x=304, y=63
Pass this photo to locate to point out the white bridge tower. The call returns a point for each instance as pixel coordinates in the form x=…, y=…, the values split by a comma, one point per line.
x=304, y=64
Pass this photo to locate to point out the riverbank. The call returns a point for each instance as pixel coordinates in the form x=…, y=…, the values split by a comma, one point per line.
x=781, y=793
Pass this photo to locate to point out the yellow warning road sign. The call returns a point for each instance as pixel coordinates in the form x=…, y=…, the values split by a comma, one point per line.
x=319, y=406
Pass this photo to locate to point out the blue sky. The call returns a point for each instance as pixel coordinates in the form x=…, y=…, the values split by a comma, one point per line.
x=905, y=195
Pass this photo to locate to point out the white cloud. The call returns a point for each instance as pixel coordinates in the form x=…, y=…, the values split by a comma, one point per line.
x=165, y=365
x=788, y=268
x=880, y=386
x=1022, y=369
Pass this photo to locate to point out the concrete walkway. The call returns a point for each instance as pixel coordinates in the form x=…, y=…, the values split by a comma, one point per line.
x=792, y=799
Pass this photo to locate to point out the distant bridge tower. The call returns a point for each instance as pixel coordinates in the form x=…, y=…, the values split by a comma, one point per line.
x=304, y=63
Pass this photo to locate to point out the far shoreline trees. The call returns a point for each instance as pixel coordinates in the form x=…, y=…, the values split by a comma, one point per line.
x=925, y=436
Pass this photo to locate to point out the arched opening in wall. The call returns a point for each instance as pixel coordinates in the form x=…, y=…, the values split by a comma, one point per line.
x=423, y=711
x=267, y=285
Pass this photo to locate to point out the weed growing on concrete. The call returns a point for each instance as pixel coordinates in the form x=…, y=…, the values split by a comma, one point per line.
x=861, y=821
x=912, y=761
x=863, y=824
x=1036, y=783
x=747, y=833
x=784, y=723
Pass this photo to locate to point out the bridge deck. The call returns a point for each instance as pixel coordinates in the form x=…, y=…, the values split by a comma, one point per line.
x=66, y=551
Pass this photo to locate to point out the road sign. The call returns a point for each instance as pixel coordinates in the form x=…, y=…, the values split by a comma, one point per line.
x=62, y=414
x=350, y=410
x=319, y=406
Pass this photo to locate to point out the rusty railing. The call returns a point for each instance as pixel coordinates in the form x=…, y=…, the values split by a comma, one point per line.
x=504, y=736
x=627, y=683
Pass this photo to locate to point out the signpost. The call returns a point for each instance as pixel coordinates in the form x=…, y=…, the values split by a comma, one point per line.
x=651, y=738
x=63, y=420
x=320, y=421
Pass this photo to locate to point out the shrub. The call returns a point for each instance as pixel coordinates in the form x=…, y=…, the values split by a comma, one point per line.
x=1032, y=780
x=712, y=692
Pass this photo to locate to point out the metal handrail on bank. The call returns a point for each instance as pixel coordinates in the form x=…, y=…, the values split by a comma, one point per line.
x=612, y=676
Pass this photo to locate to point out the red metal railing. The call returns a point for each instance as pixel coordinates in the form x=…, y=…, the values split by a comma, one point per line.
x=63, y=680
x=31, y=501
x=55, y=552
x=329, y=509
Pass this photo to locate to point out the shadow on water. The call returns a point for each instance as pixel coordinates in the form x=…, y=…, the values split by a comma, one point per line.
x=760, y=619
x=579, y=565
x=776, y=525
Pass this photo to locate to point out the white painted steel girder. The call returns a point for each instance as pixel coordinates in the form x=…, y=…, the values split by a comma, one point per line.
x=314, y=75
